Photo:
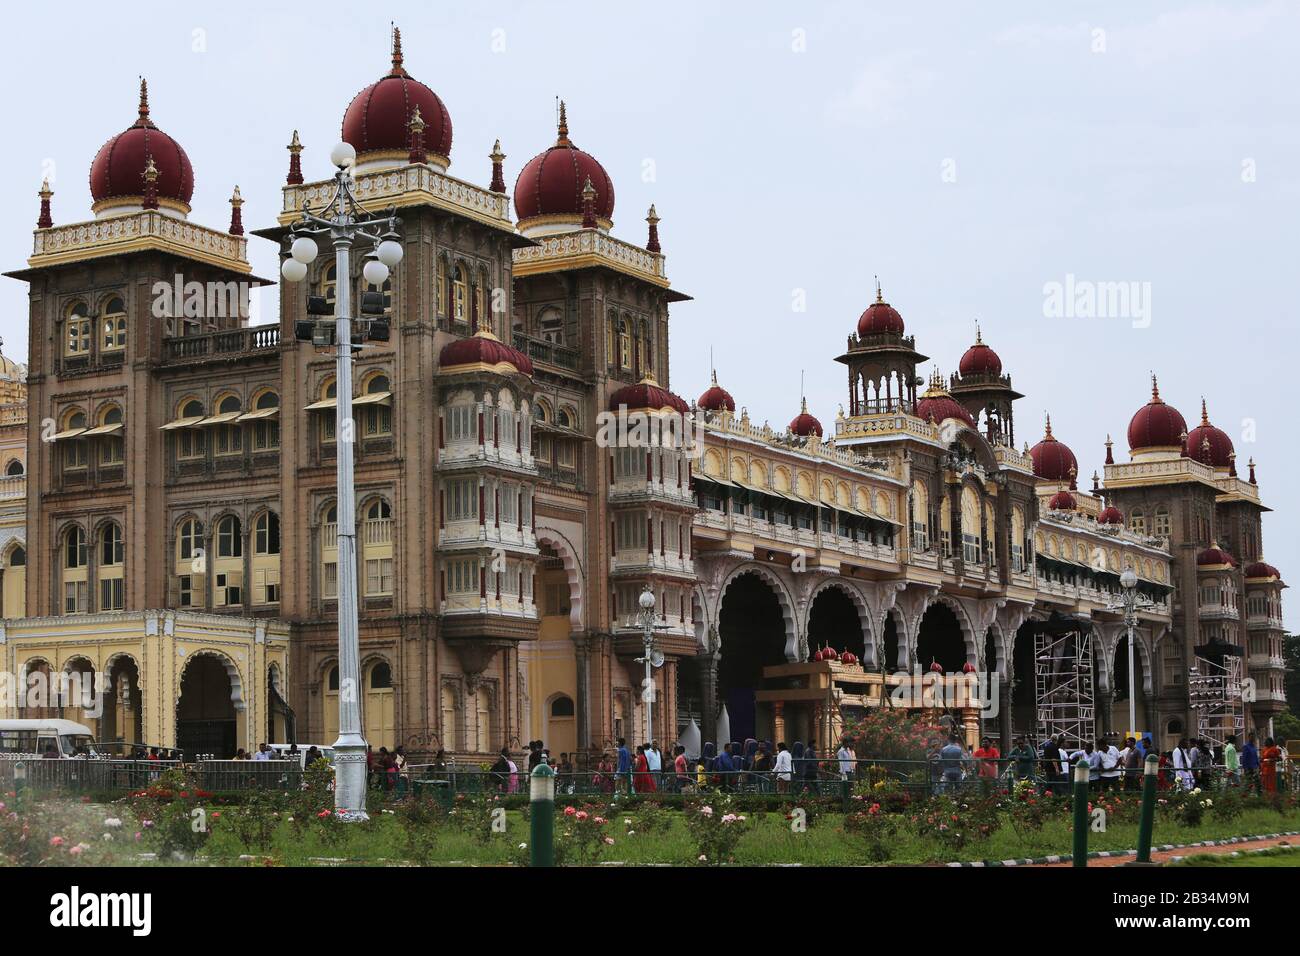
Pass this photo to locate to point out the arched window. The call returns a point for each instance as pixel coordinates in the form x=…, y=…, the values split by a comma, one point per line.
x=624, y=344
x=376, y=407
x=18, y=557
x=76, y=331
x=113, y=326
x=230, y=542
x=378, y=537
x=1137, y=522
x=1160, y=527
x=330, y=283
x=110, y=572
x=450, y=722
x=377, y=709
x=551, y=326
x=191, y=564
x=266, y=421
x=15, y=468
x=189, y=438
x=76, y=586
x=109, y=432
x=74, y=446
x=326, y=406
x=267, y=533
x=460, y=296
x=330, y=705
x=189, y=540
x=329, y=548
x=483, y=723
x=230, y=434
x=647, y=350
x=562, y=706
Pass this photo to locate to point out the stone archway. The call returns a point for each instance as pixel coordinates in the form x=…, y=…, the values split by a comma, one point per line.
x=755, y=630
x=838, y=615
x=209, y=705
x=944, y=637
x=557, y=665
x=123, y=718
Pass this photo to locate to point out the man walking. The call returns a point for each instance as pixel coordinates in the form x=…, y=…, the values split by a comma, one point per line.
x=623, y=770
x=783, y=768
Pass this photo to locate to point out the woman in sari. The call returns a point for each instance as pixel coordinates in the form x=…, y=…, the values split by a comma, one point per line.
x=1268, y=761
x=642, y=780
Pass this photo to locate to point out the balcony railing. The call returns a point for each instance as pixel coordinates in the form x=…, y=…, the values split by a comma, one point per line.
x=252, y=339
x=548, y=353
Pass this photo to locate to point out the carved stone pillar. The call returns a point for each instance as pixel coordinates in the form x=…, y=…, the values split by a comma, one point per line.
x=581, y=706
x=1004, y=715
x=709, y=691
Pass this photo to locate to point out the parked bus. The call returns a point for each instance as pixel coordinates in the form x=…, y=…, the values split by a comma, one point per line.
x=36, y=736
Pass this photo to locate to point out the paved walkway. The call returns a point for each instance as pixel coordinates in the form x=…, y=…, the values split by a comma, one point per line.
x=1165, y=856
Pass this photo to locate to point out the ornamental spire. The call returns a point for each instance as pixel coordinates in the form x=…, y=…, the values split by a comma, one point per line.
x=879, y=296
x=415, y=137
x=498, y=174
x=1232, y=464
x=144, y=103
x=1251, y=465
x=978, y=339
x=652, y=243
x=295, y=161
x=1155, y=390
x=236, y=216
x=45, y=221
x=150, y=177
x=562, y=139
x=1047, y=432
x=1110, y=454
x=398, y=69
x=588, y=205
x=1205, y=417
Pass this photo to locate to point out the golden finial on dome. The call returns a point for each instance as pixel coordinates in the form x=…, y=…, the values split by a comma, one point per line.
x=879, y=295
x=144, y=99
x=978, y=339
x=1047, y=431
x=397, y=51
x=1205, y=416
x=562, y=139
x=1155, y=389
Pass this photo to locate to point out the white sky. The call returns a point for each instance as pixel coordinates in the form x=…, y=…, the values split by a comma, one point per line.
x=791, y=148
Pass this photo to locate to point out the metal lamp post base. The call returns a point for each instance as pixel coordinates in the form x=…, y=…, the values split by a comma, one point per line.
x=350, y=779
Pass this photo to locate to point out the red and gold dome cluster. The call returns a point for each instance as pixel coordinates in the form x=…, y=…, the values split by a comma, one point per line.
x=880, y=317
x=1156, y=426
x=647, y=395
x=1053, y=459
x=937, y=404
x=483, y=351
x=716, y=398
x=979, y=360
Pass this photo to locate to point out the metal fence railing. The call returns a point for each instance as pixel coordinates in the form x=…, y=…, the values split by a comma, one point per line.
x=83, y=775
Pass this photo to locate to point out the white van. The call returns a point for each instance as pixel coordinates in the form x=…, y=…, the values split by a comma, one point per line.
x=281, y=752
x=34, y=736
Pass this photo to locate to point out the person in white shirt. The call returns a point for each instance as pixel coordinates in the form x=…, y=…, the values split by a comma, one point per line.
x=1110, y=766
x=783, y=767
x=846, y=758
x=263, y=752
x=1183, y=765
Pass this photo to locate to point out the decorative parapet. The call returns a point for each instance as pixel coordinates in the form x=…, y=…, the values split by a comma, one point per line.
x=814, y=448
x=12, y=487
x=895, y=425
x=589, y=247
x=1159, y=471
x=413, y=185
x=1237, y=489
x=148, y=229
x=1008, y=457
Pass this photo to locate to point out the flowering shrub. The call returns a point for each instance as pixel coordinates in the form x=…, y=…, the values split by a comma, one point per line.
x=873, y=828
x=1027, y=808
x=580, y=836
x=58, y=833
x=1187, y=807
x=648, y=817
x=715, y=828
x=473, y=815
x=879, y=788
x=890, y=734
x=954, y=823
x=172, y=817
x=254, y=820
x=422, y=819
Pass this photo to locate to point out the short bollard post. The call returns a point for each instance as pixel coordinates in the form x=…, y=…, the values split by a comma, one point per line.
x=1146, y=823
x=1081, y=769
x=541, y=795
x=20, y=776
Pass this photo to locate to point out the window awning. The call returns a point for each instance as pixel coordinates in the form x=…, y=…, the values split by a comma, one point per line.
x=103, y=430
x=704, y=476
x=222, y=418
x=374, y=398
x=68, y=433
x=189, y=422
x=324, y=403
x=258, y=413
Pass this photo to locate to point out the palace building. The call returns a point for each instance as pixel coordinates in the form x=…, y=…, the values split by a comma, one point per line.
x=168, y=518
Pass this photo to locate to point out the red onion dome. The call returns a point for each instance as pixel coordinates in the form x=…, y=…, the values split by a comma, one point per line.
x=818, y=655
x=117, y=175
x=1259, y=572
x=968, y=668
x=647, y=395
x=1208, y=444
x=979, y=359
x=1053, y=460
x=1062, y=501
x=880, y=316
x=938, y=404
x=830, y=653
x=483, y=351
x=378, y=120
x=1214, y=558
x=549, y=188
x=1156, y=425
x=935, y=667
x=1110, y=515
x=716, y=398
x=805, y=424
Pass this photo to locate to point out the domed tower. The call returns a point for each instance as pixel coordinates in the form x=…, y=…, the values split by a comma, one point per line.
x=563, y=188
x=716, y=399
x=1157, y=429
x=141, y=168
x=1210, y=445
x=882, y=362
x=982, y=388
x=380, y=119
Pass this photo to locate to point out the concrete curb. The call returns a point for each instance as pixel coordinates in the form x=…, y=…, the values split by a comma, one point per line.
x=1105, y=854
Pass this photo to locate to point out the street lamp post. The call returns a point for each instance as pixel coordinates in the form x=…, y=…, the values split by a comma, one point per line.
x=1130, y=603
x=651, y=658
x=343, y=222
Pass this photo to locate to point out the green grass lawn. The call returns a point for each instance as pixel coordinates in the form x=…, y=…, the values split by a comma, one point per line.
x=768, y=841
x=1283, y=857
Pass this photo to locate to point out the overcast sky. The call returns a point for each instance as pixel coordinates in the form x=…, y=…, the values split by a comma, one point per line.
x=968, y=154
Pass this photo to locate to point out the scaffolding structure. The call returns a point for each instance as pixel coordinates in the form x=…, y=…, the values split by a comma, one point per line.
x=1063, y=690
x=1214, y=692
